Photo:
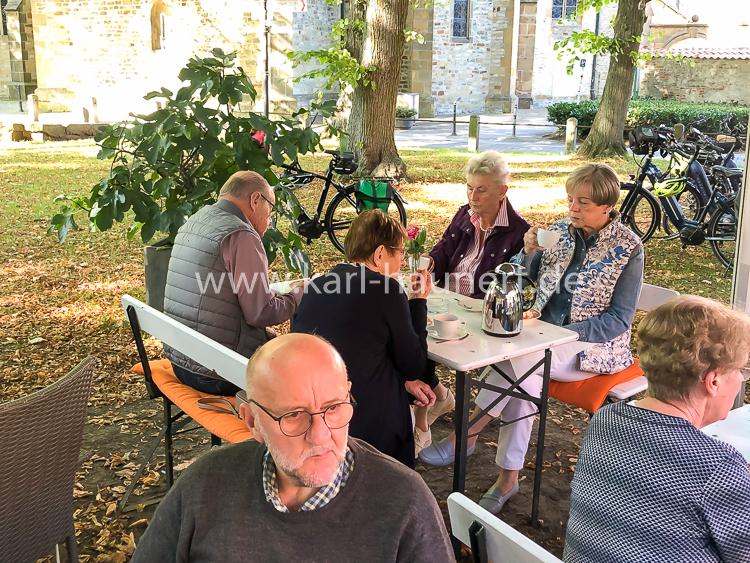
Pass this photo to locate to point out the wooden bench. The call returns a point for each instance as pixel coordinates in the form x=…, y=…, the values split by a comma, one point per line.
x=489, y=538
x=590, y=394
x=161, y=382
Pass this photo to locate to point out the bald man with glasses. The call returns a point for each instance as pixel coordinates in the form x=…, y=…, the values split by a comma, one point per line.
x=304, y=490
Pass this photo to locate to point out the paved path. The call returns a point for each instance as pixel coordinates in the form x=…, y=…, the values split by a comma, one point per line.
x=495, y=132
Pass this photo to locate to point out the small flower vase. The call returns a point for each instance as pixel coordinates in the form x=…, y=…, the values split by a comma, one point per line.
x=413, y=261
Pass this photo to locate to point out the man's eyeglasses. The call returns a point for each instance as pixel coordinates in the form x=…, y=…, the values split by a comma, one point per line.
x=297, y=423
x=400, y=249
x=268, y=200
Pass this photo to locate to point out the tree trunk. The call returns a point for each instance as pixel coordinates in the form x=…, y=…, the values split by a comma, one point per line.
x=605, y=137
x=373, y=110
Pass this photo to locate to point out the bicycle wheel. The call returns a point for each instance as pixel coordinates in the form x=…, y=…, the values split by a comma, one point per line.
x=722, y=235
x=691, y=201
x=642, y=216
x=343, y=209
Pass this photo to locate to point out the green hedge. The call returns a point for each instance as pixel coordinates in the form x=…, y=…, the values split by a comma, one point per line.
x=652, y=112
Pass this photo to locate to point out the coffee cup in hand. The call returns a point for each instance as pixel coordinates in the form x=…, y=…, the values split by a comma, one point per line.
x=547, y=239
x=446, y=325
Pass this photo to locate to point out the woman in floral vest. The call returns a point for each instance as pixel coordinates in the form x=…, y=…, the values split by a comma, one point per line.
x=589, y=281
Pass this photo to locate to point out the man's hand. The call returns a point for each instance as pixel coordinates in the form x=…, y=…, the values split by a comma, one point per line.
x=530, y=242
x=424, y=395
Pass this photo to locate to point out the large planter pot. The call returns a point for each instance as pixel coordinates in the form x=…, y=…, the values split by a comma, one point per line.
x=156, y=264
x=404, y=122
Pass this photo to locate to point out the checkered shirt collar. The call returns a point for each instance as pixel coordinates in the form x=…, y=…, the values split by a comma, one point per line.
x=320, y=499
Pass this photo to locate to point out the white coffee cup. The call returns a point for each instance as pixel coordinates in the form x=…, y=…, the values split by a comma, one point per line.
x=446, y=325
x=424, y=263
x=547, y=239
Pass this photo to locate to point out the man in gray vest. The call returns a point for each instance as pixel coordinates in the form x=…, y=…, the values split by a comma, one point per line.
x=217, y=282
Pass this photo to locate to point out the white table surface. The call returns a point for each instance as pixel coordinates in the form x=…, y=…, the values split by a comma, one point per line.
x=734, y=430
x=480, y=349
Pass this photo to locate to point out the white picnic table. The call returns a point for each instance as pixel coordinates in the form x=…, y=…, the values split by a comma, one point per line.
x=734, y=430
x=479, y=350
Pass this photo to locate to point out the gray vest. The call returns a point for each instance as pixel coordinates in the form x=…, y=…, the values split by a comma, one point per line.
x=213, y=309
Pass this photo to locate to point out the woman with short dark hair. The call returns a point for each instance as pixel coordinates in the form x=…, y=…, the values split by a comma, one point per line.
x=381, y=334
x=649, y=485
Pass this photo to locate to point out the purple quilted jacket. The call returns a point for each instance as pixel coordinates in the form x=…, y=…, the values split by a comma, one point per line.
x=501, y=244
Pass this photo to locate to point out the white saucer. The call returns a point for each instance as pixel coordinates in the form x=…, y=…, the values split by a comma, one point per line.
x=461, y=333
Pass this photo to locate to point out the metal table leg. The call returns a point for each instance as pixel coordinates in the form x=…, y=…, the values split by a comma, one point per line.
x=540, y=439
x=461, y=423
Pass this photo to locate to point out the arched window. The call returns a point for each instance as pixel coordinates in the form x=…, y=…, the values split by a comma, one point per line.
x=461, y=19
x=159, y=13
x=563, y=8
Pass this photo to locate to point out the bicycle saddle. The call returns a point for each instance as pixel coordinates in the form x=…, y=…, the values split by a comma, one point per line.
x=341, y=155
x=728, y=172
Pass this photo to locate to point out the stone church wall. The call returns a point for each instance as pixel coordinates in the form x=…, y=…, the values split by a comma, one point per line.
x=108, y=49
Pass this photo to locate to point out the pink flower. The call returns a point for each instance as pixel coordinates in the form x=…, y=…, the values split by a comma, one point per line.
x=412, y=231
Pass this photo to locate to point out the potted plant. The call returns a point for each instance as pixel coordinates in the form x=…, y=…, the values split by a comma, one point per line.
x=168, y=164
x=405, y=117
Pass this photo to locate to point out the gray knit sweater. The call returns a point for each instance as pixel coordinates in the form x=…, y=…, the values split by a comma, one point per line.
x=217, y=511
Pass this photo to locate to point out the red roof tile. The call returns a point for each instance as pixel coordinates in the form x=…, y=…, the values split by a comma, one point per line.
x=709, y=52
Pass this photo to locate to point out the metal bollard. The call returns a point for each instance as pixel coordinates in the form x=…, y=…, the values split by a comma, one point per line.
x=473, y=144
x=515, y=116
x=20, y=98
x=455, y=103
x=32, y=103
x=571, y=135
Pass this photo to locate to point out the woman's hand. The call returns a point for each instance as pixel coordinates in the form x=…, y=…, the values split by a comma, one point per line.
x=423, y=394
x=530, y=242
x=420, y=285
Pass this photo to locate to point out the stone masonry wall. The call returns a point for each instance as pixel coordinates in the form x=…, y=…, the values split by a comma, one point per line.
x=103, y=48
x=4, y=68
x=526, y=40
x=550, y=80
x=708, y=80
x=416, y=62
x=460, y=67
x=20, y=49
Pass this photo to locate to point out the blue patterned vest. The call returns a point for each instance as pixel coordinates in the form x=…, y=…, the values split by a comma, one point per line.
x=592, y=294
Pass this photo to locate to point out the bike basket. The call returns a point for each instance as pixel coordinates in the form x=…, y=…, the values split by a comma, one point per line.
x=641, y=138
x=374, y=194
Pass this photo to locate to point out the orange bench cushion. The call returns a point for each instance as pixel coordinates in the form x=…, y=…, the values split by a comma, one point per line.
x=224, y=425
x=591, y=393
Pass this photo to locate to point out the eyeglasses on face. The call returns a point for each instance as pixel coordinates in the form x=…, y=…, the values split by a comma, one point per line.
x=272, y=204
x=298, y=422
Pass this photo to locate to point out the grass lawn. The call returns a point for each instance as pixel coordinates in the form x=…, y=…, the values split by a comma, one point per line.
x=60, y=303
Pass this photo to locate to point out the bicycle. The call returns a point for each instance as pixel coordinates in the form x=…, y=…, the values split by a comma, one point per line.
x=720, y=229
x=683, y=186
x=348, y=201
